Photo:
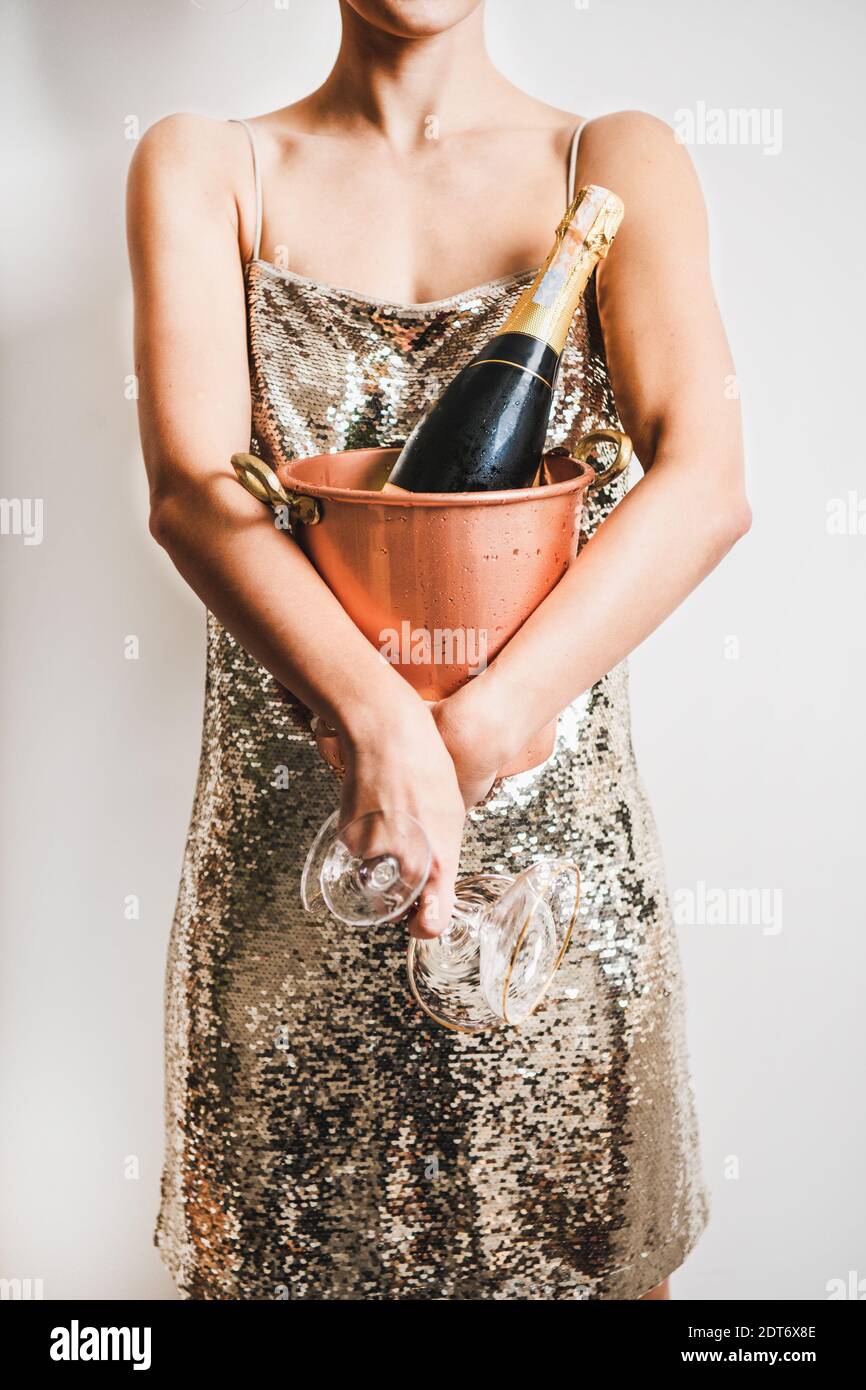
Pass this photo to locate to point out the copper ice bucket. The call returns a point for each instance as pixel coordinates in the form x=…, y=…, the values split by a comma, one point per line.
x=438, y=582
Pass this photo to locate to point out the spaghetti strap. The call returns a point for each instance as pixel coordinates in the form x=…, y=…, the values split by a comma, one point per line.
x=572, y=158
x=257, y=177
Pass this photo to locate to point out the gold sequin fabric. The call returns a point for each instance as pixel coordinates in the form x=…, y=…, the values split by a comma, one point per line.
x=325, y=1139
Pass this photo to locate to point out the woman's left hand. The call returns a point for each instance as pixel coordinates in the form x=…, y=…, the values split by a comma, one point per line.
x=471, y=731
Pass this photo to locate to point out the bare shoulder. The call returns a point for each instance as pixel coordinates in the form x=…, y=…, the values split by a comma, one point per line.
x=636, y=154
x=635, y=134
x=189, y=152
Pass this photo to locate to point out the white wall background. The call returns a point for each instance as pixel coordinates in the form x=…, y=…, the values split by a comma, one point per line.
x=755, y=764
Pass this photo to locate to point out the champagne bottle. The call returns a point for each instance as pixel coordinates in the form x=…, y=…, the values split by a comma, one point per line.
x=487, y=429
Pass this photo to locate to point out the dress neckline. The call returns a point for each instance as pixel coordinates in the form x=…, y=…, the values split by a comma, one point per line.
x=425, y=306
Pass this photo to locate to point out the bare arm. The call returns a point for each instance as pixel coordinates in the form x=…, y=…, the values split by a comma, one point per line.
x=194, y=409
x=670, y=364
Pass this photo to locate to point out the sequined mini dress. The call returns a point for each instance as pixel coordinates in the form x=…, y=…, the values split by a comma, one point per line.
x=325, y=1139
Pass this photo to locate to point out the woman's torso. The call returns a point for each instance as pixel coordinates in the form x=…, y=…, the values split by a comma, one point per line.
x=334, y=369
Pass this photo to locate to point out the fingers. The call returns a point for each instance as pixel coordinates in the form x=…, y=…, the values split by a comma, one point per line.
x=376, y=837
x=475, y=778
x=421, y=830
x=435, y=906
x=475, y=790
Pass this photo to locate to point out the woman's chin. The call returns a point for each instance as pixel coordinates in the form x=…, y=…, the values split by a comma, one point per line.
x=413, y=19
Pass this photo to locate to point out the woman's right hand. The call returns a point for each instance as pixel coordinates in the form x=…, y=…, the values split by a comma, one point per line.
x=397, y=762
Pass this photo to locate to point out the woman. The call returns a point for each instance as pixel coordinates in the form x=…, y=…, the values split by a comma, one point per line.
x=325, y=1140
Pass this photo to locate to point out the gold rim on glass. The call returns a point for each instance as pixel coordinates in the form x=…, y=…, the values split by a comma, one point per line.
x=485, y=1027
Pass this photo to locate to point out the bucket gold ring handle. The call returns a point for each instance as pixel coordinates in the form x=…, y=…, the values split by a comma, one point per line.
x=261, y=480
x=587, y=445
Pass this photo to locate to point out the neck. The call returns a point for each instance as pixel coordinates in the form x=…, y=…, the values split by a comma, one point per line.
x=397, y=85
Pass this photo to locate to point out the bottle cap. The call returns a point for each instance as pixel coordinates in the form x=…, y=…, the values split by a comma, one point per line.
x=583, y=238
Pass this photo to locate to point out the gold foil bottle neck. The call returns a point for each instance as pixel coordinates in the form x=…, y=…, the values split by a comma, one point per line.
x=583, y=238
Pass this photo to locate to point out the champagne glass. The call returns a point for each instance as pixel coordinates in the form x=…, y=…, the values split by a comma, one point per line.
x=495, y=958
x=370, y=872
